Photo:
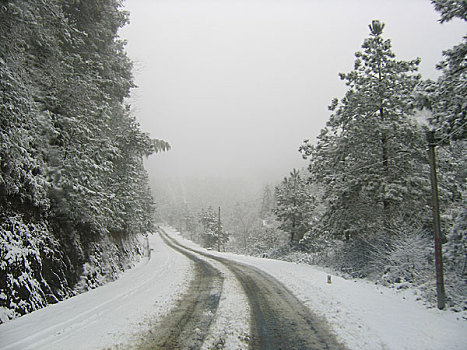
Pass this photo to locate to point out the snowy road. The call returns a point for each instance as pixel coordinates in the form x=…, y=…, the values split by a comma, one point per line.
x=278, y=319
x=150, y=302
x=113, y=315
x=362, y=315
x=189, y=322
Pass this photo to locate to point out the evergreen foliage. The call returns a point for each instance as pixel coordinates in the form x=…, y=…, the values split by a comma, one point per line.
x=445, y=98
x=295, y=205
x=213, y=235
x=370, y=157
x=450, y=9
x=70, y=151
x=371, y=164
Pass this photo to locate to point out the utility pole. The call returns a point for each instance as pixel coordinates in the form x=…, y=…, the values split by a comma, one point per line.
x=219, y=231
x=436, y=222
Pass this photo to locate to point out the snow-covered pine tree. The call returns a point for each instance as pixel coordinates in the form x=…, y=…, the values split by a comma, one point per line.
x=295, y=206
x=446, y=98
x=84, y=99
x=370, y=156
x=25, y=128
x=208, y=219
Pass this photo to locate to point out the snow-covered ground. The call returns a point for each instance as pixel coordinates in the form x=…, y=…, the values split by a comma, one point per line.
x=231, y=325
x=362, y=315
x=113, y=315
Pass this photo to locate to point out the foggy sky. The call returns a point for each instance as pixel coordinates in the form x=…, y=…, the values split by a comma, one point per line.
x=235, y=86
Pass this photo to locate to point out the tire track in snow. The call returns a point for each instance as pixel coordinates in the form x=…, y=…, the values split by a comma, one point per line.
x=188, y=324
x=278, y=319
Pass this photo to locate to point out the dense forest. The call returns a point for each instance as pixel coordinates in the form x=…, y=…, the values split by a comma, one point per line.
x=74, y=195
x=362, y=203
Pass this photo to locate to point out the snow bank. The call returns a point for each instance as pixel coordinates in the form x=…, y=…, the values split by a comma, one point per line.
x=116, y=314
x=363, y=315
x=38, y=268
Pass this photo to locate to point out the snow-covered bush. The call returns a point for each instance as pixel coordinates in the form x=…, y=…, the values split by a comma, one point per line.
x=403, y=257
x=353, y=257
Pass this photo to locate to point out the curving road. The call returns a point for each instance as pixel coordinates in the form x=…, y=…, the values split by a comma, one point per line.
x=188, y=324
x=181, y=298
x=278, y=319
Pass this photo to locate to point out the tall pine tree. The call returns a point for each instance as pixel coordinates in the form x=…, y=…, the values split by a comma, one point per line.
x=370, y=156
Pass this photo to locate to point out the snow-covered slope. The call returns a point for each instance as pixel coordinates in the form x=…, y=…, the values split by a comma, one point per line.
x=109, y=315
x=362, y=315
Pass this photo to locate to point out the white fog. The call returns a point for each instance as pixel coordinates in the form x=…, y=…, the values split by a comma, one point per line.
x=235, y=86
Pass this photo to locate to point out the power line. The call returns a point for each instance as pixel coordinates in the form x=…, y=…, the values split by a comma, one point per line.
x=451, y=133
x=378, y=162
